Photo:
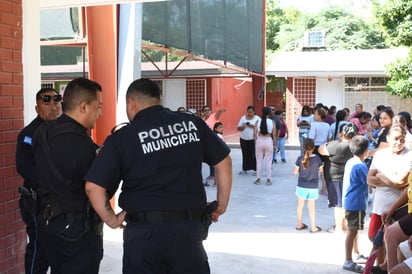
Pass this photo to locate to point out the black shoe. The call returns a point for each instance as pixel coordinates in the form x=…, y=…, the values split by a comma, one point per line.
x=283, y=161
x=377, y=269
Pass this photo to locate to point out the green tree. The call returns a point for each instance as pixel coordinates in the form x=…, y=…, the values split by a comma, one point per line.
x=344, y=30
x=395, y=17
x=274, y=16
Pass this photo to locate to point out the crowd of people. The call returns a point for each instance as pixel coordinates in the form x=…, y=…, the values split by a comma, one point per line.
x=362, y=159
x=354, y=158
x=366, y=159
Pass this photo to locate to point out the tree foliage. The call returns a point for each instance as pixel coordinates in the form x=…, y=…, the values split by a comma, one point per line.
x=395, y=16
x=396, y=19
x=400, y=73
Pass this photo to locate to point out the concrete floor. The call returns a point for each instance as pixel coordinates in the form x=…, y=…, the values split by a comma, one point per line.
x=257, y=233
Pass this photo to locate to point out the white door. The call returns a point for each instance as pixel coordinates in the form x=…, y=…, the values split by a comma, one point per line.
x=174, y=93
x=329, y=91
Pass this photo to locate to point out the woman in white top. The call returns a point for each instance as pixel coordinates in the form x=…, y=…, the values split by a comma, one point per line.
x=265, y=137
x=388, y=173
x=246, y=126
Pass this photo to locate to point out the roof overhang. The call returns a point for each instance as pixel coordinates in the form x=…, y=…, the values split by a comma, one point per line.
x=334, y=63
x=56, y=4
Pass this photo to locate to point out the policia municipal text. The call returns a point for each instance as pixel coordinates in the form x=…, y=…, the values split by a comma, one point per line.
x=159, y=156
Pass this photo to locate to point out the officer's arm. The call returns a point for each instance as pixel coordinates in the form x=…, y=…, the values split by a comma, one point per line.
x=101, y=204
x=223, y=177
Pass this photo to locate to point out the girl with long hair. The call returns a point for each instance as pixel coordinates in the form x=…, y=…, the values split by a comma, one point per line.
x=308, y=167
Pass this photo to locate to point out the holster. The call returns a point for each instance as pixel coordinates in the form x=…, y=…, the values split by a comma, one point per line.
x=207, y=218
x=29, y=199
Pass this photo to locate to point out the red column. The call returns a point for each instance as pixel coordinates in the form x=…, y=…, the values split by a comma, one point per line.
x=101, y=22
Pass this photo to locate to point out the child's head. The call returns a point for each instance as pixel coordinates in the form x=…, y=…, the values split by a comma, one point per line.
x=279, y=113
x=308, y=147
x=359, y=146
x=218, y=127
x=308, y=144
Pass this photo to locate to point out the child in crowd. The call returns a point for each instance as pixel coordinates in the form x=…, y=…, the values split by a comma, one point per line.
x=355, y=197
x=282, y=137
x=218, y=129
x=308, y=167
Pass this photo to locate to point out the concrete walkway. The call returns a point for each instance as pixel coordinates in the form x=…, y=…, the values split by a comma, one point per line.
x=257, y=234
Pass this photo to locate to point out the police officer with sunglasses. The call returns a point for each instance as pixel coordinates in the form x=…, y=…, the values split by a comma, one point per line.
x=48, y=107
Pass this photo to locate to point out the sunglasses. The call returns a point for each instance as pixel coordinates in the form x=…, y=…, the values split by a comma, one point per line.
x=48, y=98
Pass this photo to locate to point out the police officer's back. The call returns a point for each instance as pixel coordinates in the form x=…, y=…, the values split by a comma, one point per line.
x=159, y=158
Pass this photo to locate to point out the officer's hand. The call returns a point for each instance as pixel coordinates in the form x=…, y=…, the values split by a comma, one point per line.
x=215, y=214
x=116, y=221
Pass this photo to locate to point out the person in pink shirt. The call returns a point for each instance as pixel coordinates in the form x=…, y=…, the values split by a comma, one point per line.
x=211, y=119
x=361, y=120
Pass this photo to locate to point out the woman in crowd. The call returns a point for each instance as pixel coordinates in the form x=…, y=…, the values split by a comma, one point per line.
x=341, y=119
x=265, y=136
x=320, y=133
x=304, y=121
x=362, y=120
x=283, y=135
x=246, y=126
x=388, y=173
x=339, y=153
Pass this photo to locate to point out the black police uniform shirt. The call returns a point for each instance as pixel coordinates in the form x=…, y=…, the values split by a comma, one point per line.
x=159, y=158
x=24, y=154
x=72, y=153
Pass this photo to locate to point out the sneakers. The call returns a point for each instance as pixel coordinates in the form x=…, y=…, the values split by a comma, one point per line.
x=243, y=172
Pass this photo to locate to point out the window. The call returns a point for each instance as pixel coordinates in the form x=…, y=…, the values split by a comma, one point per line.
x=371, y=84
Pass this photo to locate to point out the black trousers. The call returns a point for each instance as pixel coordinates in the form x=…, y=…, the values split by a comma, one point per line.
x=164, y=247
x=248, y=154
x=70, y=246
x=35, y=261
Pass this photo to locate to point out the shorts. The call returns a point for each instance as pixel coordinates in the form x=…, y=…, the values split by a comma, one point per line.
x=307, y=193
x=405, y=223
x=335, y=194
x=407, y=253
x=375, y=223
x=355, y=219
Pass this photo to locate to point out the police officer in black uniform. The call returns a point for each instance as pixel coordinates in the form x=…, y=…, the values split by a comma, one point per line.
x=159, y=158
x=69, y=229
x=48, y=107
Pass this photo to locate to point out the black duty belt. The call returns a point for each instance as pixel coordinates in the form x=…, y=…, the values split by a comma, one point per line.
x=156, y=216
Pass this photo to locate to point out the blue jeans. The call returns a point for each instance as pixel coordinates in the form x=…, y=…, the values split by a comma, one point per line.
x=302, y=136
x=281, y=146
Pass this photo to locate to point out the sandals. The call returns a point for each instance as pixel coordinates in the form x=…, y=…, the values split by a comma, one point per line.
x=302, y=227
x=318, y=229
x=268, y=182
x=354, y=267
x=257, y=182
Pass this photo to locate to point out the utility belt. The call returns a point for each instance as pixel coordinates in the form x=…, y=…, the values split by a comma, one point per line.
x=159, y=216
x=68, y=225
